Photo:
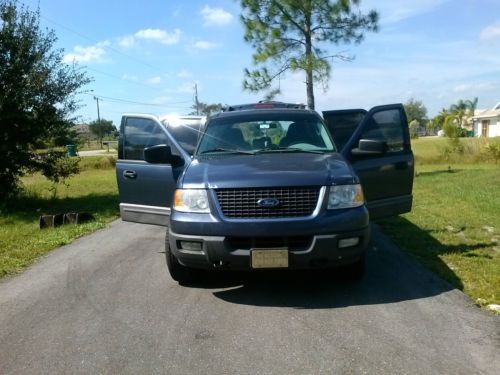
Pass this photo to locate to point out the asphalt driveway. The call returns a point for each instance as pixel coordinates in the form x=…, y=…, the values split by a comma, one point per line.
x=105, y=304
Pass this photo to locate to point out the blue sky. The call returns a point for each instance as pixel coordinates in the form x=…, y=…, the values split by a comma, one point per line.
x=154, y=51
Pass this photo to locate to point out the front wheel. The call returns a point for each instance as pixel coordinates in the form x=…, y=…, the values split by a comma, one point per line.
x=178, y=272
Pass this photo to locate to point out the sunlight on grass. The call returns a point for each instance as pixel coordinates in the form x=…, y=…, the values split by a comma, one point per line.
x=454, y=226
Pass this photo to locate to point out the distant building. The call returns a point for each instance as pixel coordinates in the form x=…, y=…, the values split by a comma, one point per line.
x=487, y=122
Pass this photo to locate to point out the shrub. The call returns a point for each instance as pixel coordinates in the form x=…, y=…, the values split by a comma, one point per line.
x=57, y=167
x=414, y=125
x=453, y=131
x=492, y=150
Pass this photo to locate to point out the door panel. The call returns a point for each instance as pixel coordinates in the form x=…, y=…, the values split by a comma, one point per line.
x=387, y=183
x=146, y=190
x=386, y=178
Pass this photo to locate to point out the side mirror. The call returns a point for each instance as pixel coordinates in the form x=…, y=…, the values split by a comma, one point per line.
x=370, y=147
x=161, y=154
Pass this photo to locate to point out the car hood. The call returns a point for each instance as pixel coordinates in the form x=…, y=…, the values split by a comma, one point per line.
x=267, y=170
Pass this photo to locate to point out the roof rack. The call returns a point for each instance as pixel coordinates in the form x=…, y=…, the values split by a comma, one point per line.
x=263, y=104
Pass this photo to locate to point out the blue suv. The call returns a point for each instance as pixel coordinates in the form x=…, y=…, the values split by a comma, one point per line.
x=266, y=185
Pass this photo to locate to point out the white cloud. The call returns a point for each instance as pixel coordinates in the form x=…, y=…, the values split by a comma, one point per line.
x=203, y=44
x=184, y=74
x=157, y=35
x=129, y=77
x=161, y=36
x=187, y=88
x=162, y=100
x=127, y=41
x=215, y=16
x=490, y=32
x=91, y=54
x=476, y=87
x=390, y=12
x=154, y=80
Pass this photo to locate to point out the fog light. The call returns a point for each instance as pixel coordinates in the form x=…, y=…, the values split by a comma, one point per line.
x=190, y=245
x=348, y=242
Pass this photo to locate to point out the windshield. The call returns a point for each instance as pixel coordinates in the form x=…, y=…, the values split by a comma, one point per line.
x=266, y=132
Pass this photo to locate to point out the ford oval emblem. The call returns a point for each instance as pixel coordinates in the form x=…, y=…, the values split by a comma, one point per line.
x=268, y=202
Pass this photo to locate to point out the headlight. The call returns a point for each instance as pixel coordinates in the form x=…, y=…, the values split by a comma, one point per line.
x=345, y=196
x=191, y=200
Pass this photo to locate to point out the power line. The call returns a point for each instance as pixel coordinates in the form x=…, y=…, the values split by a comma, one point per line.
x=125, y=80
x=132, y=102
x=141, y=103
x=106, y=47
x=116, y=77
x=117, y=100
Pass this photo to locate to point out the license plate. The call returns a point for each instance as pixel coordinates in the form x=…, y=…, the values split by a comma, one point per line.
x=270, y=258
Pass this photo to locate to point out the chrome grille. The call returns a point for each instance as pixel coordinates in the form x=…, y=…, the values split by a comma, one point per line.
x=293, y=202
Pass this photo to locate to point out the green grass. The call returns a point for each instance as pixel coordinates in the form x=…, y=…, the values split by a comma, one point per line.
x=97, y=162
x=21, y=240
x=431, y=150
x=95, y=145
x=454, y=226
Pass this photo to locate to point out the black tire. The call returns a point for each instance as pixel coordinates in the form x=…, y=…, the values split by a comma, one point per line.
x=355, y=271
x=178, y=272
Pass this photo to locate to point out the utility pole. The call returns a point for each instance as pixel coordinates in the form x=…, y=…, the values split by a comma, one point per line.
x=196, y=99
x=99, y=121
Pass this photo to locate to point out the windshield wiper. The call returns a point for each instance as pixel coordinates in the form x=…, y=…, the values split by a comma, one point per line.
x=290, y=149
x=227, y=150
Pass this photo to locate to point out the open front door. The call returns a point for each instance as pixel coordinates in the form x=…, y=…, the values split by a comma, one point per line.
x=146, y=190
x=379, y=150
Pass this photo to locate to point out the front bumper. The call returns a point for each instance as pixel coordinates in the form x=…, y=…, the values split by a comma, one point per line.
x=226, y=252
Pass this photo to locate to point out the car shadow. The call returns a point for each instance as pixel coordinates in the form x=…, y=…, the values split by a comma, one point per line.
x=435, y=172
x=392, y=276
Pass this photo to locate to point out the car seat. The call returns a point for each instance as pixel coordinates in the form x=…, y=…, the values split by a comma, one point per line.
x=233, y=138
x=295, y=134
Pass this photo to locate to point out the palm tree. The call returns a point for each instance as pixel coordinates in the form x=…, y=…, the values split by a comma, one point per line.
x=461, y=112
x=472, y=105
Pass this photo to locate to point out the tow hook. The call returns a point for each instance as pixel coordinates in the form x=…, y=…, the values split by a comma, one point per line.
x=220, y=264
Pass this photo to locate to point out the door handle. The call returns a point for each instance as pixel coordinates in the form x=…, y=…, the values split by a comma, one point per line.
x=129, y=174
x=401, y=165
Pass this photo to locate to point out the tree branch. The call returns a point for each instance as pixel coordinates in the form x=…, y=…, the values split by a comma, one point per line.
x=289, y=17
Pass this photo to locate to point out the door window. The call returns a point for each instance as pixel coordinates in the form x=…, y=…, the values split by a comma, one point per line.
x=342, y=124
x=186, y=135
x=386, y=126
x=139, y=134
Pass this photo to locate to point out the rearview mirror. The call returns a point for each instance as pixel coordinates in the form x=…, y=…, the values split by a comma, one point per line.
x=161, y=154
x=370, y=147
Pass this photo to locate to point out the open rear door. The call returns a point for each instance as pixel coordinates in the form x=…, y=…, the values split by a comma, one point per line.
x=377, y=144
x=146, y=190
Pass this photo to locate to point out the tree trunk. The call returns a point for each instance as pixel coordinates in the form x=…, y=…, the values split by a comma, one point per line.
x=309, y=63
x=310, y=89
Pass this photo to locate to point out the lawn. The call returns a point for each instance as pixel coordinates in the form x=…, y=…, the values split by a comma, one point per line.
x=21, y=240
x=454, y=226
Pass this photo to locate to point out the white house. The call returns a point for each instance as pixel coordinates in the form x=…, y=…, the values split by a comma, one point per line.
x=487, y=122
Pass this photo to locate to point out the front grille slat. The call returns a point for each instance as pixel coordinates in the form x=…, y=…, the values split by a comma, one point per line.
x=242, y=203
